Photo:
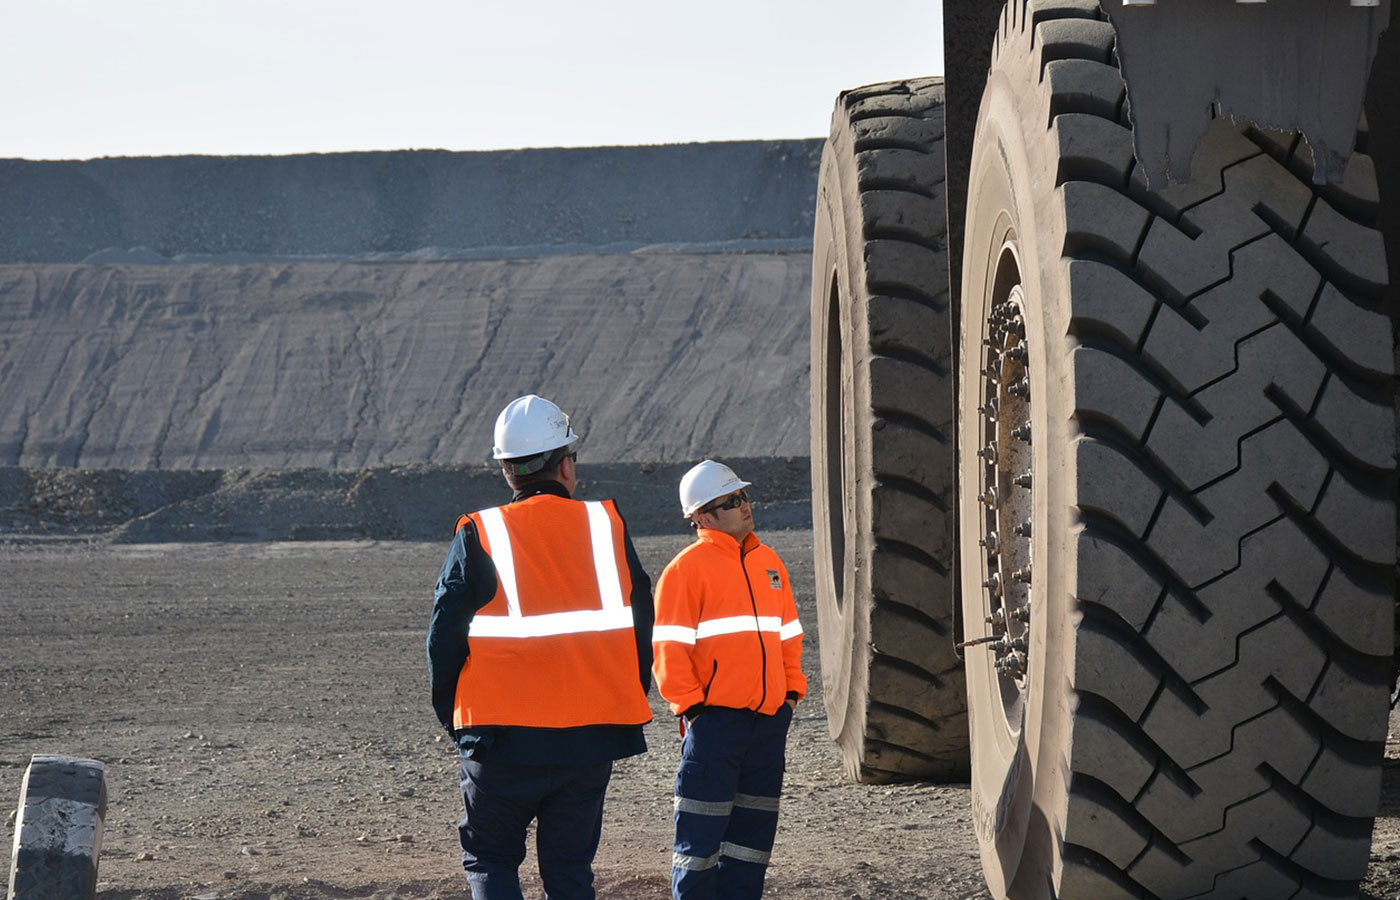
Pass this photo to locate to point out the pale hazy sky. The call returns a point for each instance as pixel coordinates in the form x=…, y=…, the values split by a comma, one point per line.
x=89, y=78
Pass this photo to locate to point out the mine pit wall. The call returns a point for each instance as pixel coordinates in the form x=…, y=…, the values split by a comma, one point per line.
x=350, y=204
x=344, y=366
x=358, y=311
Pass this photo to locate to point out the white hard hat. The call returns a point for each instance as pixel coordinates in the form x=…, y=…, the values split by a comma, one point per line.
x=531, y=425
x=707, y=481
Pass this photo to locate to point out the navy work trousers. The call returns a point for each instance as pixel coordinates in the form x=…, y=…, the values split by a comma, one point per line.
x=502, y=798
x=727, y=790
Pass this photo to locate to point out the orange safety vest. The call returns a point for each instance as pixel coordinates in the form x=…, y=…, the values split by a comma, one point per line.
x=726, y=631
x=556, y=645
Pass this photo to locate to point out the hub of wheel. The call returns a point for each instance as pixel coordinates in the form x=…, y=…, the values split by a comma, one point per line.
x=1007, y=486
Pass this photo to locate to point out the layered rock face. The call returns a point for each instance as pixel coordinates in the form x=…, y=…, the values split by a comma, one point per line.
x=350, y=311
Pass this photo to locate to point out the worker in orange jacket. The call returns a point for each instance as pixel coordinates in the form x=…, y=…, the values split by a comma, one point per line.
x=728, y=648
x=539, y=654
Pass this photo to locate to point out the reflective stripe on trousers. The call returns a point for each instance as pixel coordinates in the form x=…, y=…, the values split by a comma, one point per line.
x=726, y=849
x=726, y=805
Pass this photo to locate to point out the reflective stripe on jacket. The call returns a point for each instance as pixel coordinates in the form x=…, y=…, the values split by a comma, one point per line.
x=726, y=629
x=555, y=645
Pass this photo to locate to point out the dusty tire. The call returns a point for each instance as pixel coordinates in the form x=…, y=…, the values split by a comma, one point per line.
x=58, y=830
x=882, y=449
x=1181, y=400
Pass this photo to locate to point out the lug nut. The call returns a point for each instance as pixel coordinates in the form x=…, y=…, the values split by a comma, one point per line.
x=1021, y=388
x=1023, y=480
x=989, y=497
x=1024, y=529
x=1022, y=575
x=989, y=452
x=990, y=542
x=993, y=584
x=1022, y=433
x=1013, y=665
x=1017, y=353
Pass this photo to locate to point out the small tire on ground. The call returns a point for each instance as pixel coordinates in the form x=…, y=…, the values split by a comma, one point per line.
x=1201, y=710
x=882, y=440
x=58, y=829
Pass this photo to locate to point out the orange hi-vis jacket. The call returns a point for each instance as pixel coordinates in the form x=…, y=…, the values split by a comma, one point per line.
x=726, y=630
x=555, y=646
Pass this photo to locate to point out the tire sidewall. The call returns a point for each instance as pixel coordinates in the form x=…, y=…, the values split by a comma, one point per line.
x=1017, y=781
x=844, y=627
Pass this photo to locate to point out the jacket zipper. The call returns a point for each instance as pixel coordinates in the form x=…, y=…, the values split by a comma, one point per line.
x=758, y=631
x=714, y=673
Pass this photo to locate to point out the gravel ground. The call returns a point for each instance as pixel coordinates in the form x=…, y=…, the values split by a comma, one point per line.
x=263, y=712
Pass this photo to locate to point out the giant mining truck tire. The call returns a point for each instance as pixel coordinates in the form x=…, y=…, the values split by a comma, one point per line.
x=882, y=441
x=1177, y=491
x=58, y=829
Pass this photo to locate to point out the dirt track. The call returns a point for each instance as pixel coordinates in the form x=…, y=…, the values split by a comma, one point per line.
x=262, y=709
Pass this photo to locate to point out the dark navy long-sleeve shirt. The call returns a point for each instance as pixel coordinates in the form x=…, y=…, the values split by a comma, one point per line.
x=466, y=584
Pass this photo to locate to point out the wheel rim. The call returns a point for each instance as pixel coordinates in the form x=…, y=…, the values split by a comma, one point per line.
x=838, y=414
x=1006, y=484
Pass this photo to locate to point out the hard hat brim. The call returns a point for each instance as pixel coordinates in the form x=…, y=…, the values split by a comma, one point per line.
x=728, y=489
x=571, y=441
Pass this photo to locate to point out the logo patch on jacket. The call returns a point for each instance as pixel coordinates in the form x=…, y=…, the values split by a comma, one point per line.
x=775, y=581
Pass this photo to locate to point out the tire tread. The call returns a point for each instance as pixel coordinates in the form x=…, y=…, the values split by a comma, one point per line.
x=1229, y=725
x=890, y=136
x=62, y=803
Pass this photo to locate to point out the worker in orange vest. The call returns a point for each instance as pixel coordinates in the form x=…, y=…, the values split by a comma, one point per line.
x=539, y=654
x=729, y=660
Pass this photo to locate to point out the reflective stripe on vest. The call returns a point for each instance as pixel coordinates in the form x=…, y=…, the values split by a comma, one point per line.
x=709, y=628
x=613, y=616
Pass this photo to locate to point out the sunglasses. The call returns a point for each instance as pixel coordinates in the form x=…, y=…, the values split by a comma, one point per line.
x=734, y=502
